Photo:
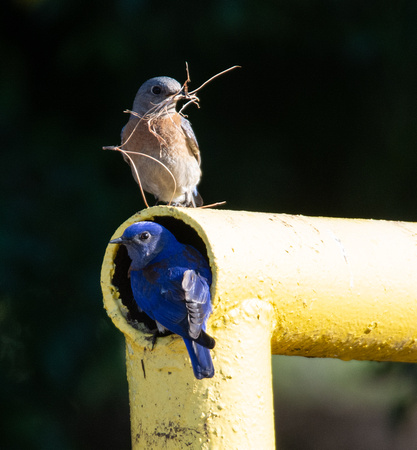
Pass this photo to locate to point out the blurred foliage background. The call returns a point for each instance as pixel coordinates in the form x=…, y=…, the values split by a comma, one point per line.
x=320, y=120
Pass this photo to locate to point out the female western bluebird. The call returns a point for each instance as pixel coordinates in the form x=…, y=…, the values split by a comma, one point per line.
x=156, y=129
x=171, y=283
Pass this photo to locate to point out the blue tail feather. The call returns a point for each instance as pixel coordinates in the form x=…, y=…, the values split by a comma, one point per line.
x=200, y=359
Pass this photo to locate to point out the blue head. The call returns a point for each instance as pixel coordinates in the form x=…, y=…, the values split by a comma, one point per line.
x=144, y=241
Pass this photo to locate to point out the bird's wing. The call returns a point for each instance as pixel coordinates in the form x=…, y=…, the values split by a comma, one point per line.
x=191, y=139
x=159, y=293
x=197, y=301
x=176, y=297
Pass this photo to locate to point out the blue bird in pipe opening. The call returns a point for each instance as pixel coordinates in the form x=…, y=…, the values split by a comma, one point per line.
x=171, y=283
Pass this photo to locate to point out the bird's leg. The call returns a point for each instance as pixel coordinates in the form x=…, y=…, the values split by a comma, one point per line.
x=160, y=331
x=176, y=204
x=162, y=203
x=154, y=338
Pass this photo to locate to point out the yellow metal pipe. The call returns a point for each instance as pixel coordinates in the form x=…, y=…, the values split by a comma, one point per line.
x=292, y=285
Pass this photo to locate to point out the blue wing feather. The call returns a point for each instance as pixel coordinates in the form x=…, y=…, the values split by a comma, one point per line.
x=200, y=360
x=174, y=295
x=175, y=291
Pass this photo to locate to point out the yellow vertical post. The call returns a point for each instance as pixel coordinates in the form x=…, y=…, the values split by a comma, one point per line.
x=284, y=284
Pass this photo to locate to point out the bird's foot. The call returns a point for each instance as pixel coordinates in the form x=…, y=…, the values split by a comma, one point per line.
x=156, y=334
x=184, y=204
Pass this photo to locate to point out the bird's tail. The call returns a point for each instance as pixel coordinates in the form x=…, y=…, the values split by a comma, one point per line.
x=200, y=359
x=197, y=199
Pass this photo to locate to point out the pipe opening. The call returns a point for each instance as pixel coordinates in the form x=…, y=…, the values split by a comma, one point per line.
x=184, y=234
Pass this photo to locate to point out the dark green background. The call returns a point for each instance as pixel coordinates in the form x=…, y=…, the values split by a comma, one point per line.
x=320, y=120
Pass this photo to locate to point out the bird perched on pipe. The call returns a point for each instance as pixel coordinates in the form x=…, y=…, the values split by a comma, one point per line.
x=171, y=283
x=160, y=144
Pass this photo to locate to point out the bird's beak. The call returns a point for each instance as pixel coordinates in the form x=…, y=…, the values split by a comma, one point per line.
x=118, y=240
x=181, y=95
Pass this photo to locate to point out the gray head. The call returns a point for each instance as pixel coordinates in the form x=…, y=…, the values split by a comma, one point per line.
x=155, y=91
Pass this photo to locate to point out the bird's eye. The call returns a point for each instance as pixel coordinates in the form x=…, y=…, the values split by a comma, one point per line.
x=144, y=236
x=156, y=90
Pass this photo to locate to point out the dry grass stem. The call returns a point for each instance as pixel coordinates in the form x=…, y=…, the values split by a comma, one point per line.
x=136, y=174
x=191, y=96
x=212, y=205
x=126, y=153
x=213, y=77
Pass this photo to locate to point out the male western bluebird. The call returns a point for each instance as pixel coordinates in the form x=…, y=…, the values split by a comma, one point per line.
x=171, y=283
x=156, y=129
